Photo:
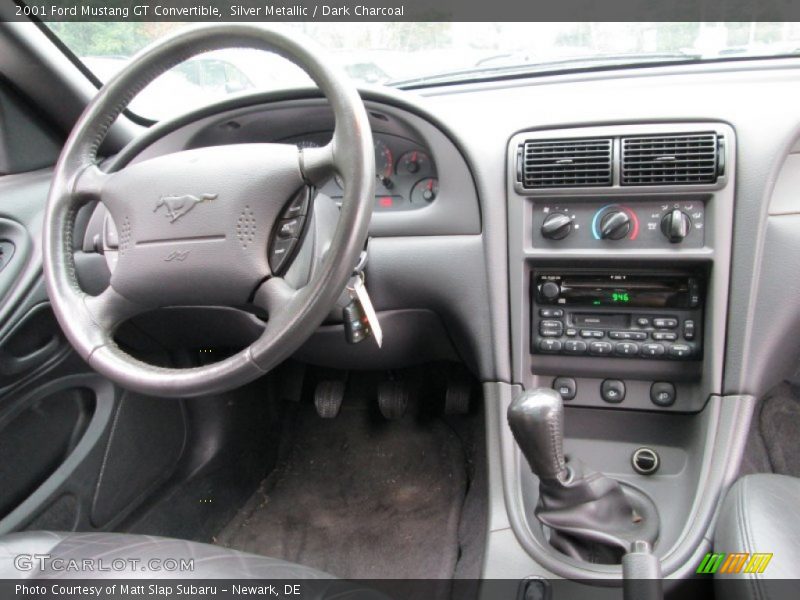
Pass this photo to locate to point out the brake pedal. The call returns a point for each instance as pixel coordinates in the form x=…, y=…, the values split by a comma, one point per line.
x=328, y=397
x=393, y=399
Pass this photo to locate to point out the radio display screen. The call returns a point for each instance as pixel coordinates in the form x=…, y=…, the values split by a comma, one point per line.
x=624, y=290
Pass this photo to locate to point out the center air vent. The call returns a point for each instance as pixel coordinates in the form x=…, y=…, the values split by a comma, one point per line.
x=565, y=163
x=682, y=159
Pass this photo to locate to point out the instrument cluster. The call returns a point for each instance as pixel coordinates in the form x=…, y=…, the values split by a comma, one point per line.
x=406, y=173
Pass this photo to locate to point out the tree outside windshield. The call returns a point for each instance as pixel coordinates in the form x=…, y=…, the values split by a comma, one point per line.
x=387, y=53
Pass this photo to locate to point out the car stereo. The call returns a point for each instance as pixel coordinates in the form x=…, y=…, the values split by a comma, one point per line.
x=613, y=314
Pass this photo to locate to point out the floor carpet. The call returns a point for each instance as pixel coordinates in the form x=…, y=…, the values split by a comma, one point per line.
x=360, y=498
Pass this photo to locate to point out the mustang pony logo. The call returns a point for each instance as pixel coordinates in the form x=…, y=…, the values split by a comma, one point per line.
x=177, y=206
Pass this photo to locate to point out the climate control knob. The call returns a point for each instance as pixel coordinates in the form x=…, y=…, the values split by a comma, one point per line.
x=615, y=225
x=556, y=226
x=675, y=225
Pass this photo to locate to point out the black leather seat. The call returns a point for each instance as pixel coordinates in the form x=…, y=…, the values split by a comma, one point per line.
x=759, y=515
x=117, y=550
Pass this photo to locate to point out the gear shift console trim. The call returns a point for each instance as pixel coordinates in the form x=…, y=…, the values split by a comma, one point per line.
x=591, y=517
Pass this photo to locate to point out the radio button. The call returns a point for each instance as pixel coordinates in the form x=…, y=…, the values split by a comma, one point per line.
x=638, y=335
x=591, y=333
x=551, y=328
x=551, y=313
x=665, y=323
x=626, y=348
x=550, y=291
x=665, y=336
x=600, y=348
x=548, y=345
x=643, y=321
x=574, y=347
x=679, y=350
x=652, y=349
x=620, y=335
x=688, y=330
x=570, y=332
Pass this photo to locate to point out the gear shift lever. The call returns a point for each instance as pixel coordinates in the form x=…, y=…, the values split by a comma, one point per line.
x=537, y=422
x=589, y=515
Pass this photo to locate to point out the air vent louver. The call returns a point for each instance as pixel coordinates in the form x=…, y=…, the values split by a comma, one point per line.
x=565, y=163
x=682, y=159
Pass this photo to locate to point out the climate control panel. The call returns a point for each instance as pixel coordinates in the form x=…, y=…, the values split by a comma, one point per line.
x=609, y=224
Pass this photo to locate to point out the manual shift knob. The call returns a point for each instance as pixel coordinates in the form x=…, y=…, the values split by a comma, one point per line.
x=536, y=418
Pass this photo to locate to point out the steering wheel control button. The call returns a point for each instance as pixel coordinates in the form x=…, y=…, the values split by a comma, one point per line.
x=548, y=345
x=280, y=251
x=662, y=393
x=290, y=228
x=652, y=350
x=575, y=347
x=612, y=391
x=645, y=461
x=298, y=206
x=565, y=386
x=600, y=348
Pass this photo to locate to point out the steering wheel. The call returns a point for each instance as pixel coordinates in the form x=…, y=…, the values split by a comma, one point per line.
x=196, y=227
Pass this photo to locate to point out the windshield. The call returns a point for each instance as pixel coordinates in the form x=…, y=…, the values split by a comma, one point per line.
x=418, y=54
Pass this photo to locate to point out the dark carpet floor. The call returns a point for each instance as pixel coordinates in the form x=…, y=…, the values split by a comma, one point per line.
x=774, y=441
x=360, y=498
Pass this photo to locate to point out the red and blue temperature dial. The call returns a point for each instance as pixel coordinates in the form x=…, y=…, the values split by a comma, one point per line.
x=615, y=222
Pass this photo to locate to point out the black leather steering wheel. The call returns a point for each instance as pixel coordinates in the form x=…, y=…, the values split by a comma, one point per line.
x=194, y=226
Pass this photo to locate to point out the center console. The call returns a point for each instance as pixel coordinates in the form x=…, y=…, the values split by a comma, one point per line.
x=619, y=265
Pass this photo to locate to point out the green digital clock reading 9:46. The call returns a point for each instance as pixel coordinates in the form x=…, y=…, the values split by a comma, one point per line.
x=620, y=297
